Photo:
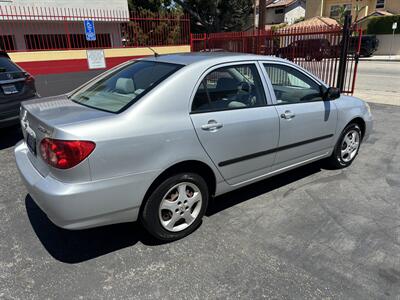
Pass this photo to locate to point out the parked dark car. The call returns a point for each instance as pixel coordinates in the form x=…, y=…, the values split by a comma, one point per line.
x=369, y=44
x=308, y=49
x=16, y=85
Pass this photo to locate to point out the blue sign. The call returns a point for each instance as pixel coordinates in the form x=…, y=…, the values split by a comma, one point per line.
x=90, y=32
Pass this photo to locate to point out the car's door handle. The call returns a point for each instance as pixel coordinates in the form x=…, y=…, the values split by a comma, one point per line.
x=288, y=115
x=212, y=125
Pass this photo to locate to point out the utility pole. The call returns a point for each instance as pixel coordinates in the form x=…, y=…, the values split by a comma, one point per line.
x=261, y=14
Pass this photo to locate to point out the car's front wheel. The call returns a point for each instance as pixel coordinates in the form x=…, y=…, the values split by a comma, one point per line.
x=175, y=208
x=347, y=147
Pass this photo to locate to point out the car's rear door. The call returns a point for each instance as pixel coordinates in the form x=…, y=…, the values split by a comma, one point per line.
x=234, y=124
x=307, y=123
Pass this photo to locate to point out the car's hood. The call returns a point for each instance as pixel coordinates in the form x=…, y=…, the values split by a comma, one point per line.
x=59, y=110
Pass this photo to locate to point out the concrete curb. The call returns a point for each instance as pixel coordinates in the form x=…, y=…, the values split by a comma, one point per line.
x=395, y=59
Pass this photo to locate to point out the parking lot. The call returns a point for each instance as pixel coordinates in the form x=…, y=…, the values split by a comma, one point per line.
x=309, y=233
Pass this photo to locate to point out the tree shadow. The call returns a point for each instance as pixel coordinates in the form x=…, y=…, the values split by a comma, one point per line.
x=9, y=136
x=77, y=246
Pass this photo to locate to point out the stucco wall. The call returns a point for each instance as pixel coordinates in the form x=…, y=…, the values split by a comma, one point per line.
x=19, y=29
x=393, y=6
x=313, y=8
x=293, y=13
x=89, y=4
x=385, y=41
x=272, y=18
x=63, y=8
x=290, y=14
x=323, y=7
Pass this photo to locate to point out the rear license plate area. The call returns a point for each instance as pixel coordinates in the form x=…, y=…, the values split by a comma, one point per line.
x=9, y=89
x=31, y=142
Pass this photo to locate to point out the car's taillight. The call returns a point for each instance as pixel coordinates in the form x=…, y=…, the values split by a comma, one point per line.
x=62, y=154
x=29, y=79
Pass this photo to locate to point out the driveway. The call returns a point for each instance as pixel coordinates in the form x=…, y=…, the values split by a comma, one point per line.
x=309, y=233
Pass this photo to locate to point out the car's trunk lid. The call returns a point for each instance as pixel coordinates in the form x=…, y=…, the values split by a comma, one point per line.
x=41, y=118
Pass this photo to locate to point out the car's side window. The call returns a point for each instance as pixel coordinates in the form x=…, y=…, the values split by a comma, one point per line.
x=230, y=87
x=291, y=85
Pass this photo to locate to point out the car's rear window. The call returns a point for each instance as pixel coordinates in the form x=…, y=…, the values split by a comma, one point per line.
x=6, y=65
x=125, y=86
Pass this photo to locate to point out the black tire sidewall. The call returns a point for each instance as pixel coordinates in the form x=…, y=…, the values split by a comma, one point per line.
x=150, y=218
x=337, y=151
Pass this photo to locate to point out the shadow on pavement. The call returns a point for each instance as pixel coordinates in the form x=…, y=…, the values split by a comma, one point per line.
x=82, y=245
x=9, y=136
x=70, y=246
x=265, y=186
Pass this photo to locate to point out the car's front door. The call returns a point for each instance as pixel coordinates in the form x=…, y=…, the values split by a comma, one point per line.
x=233, y=122
x=307, y=122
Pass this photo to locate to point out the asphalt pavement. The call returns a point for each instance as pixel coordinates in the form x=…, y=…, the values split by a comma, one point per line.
x=378, y=81
x=311, y=233
x=57, y=84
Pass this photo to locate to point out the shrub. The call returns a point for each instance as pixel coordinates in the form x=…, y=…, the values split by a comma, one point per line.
x=383, y=25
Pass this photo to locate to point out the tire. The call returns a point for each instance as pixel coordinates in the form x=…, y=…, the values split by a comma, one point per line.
x=168, y=214
x=351, y=134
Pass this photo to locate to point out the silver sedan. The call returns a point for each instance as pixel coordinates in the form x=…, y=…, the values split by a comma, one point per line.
x=155, y=139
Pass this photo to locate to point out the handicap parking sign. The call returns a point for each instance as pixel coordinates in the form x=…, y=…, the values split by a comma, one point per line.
x=90, y=32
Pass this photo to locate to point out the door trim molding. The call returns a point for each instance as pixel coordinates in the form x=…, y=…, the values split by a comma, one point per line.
x=270, y=151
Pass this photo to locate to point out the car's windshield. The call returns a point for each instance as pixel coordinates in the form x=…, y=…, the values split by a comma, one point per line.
x=125, y=86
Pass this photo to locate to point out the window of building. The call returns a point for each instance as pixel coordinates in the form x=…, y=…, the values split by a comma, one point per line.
x=380, y=3
x=279, y=11
x=63, y=41
x=335, y=10
x=230, y=87
x=7, y=42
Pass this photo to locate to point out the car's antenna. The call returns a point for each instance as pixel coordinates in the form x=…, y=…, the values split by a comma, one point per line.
x=154, y=51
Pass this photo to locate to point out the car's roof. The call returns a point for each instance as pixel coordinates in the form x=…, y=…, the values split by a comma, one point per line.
x=214, y=57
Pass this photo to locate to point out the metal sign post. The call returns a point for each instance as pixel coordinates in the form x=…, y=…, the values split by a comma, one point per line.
x=90, y=32
x=394, y=27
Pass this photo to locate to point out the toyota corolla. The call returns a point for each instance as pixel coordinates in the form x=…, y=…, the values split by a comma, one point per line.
x=154, y=139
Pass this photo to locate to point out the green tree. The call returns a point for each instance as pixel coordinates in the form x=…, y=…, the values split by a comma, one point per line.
x=150, y=5
x=217, y=15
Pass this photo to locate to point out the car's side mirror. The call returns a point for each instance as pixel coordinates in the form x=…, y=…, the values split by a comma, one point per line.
x=331, y=93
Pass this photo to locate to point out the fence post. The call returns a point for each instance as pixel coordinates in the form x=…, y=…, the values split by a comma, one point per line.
x=344, y=50
x=67, y=32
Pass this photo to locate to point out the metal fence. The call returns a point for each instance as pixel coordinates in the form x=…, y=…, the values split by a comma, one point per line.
x=28, y=28
x=317, y=49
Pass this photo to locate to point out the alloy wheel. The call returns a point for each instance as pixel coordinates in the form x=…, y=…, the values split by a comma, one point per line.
x=350, y=145
x=180, y=206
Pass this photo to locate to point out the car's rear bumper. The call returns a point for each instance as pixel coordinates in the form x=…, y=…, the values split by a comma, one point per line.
x=87, y=204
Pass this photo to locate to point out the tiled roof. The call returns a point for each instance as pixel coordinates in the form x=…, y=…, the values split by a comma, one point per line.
x=315, y=21
x=279, y=3
x=377, y=13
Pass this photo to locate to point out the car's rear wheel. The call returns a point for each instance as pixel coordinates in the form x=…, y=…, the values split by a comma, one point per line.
x=175, y=208
x=347, y=147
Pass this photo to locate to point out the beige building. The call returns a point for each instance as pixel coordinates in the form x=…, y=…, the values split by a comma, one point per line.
x=330, y=8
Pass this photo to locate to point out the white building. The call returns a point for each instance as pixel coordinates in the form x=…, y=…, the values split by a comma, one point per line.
x=58, y=24
x=282, y=11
